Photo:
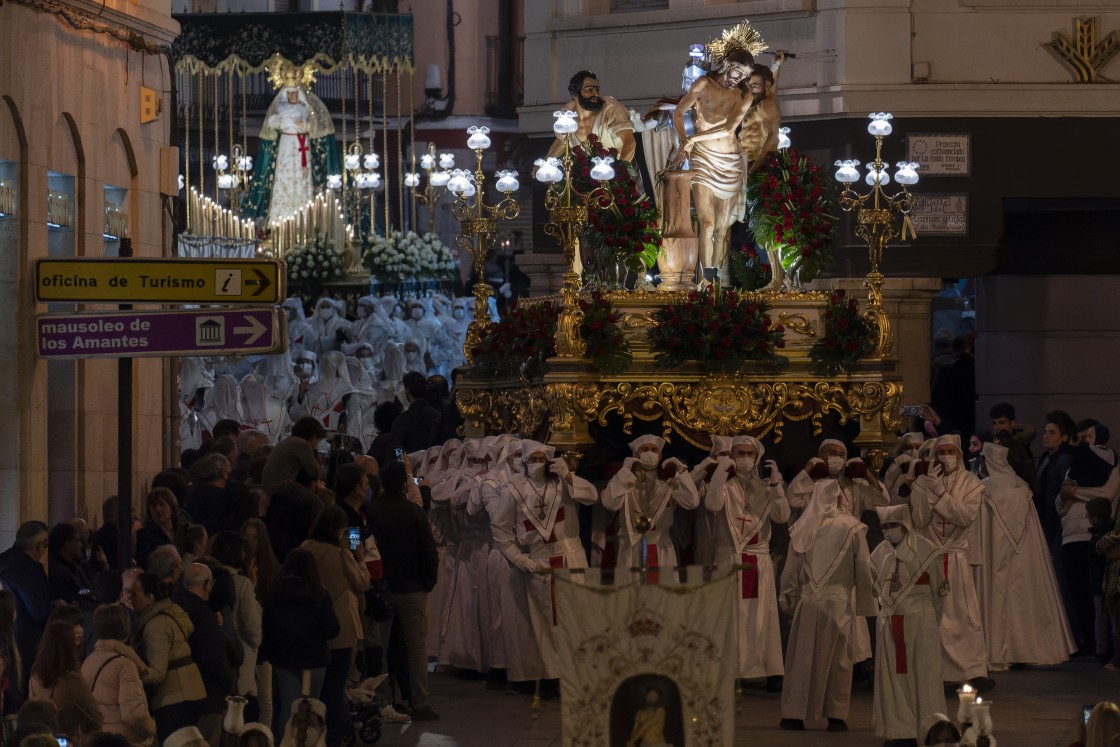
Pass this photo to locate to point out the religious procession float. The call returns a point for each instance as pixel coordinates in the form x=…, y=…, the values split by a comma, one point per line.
x=661, y=320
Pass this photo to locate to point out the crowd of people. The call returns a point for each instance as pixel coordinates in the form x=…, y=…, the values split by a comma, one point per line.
x=279, y=572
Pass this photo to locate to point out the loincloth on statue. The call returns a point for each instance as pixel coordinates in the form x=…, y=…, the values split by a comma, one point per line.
x=723, y=173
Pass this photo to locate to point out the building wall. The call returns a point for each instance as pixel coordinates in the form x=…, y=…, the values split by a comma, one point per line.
x=70, y=105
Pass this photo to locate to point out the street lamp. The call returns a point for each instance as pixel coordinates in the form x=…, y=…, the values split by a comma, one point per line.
x=363, y=176
x=480, y=225
x=876, y=217
x=567, y=221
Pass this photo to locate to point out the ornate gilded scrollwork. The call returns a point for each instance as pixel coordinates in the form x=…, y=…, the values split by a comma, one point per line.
x=799, y=323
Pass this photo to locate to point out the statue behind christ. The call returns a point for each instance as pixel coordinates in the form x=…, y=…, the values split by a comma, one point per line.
x=297, y=152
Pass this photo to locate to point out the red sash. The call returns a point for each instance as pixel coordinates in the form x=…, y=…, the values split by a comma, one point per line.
x=652, y=576
x=898, y=633
x=302, y=138
x=750, y=575
x=552, y=534
x=556, y=561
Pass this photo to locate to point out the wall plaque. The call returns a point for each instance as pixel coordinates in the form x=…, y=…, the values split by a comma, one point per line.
x=940, y=214
x=941, y=155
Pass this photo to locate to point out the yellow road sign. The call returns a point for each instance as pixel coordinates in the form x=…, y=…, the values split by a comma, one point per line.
x=108, y=280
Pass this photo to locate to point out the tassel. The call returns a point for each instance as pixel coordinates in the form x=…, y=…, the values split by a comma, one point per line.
x=908, y=225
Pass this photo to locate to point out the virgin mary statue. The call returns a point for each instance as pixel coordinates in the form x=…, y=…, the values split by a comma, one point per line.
x=298, y=150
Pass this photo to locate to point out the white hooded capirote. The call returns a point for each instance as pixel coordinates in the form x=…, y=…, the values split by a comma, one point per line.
x=904, y=452
x=1020, y=603
x=703, y=532
x=299, y=331
x=743, y=507
x=645, y=495
x=907, y=580
x=196, y=381
x=943, y=505
x=329, y=328
x=538, y=529
x=825, y=582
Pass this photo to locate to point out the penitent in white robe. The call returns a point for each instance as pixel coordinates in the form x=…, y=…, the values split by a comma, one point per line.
x=946, y=522
x=908, y=687
x=742, y=512
x=634, y=491
x=537, y=528
x=1021, y=606
x=817, y=589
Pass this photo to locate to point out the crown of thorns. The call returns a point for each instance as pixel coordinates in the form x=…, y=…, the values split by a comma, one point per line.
x=742, y=37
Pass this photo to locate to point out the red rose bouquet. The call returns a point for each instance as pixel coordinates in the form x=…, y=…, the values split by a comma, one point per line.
x=846, y=337
x=519, y=344
x=723, y=331
x=791, y=205
x=607, y=347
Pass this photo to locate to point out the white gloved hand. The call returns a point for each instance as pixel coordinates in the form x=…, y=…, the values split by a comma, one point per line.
x=559, y=467
x=505, y=290
x=927, y=483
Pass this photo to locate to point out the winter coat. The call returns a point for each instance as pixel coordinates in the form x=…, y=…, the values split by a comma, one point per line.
x=113, y=671
x=78, y=713
x=161, y=639
x=27, y=580
x=297, y=623
x=344, y=580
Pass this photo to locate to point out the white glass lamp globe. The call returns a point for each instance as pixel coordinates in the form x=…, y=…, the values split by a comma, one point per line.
x=447, y=160
x=783, y=138
x=371, y=162
x=479, y=138
x=225, y=181
x=602, y=170
x=470, y=191
x=566, y=122
x=846, y=171
x=507, y=182
x=439, y=178
x=880, y=124
x=375, y=181
x=221, y=163
x=548, y=170
x=907, y=173
x=361, y=180
x=353, y=162
x=459, y=181
x=334, y=181
x=873, y=176
x=245, y=163
x=411, y=179
x=427, y=161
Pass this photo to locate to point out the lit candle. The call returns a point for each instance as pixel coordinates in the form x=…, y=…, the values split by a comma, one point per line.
x=967, y=700
x=981, y=717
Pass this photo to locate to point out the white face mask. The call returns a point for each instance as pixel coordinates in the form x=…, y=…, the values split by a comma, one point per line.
x=367, y=363
x=649, y=459
x=835, y=465
x=894, y=535
x=363, y=312
x=327, y=312
x=948, y=461
x=535, y=470
x=417, y=314
x=412, y=355
x=744, y=464
x=303, y=370
x=459, y=313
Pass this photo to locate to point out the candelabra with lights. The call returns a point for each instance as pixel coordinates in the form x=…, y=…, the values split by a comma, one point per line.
x=479, y=223
x=877, y=217
x=234, y=181
x=437, y=173
x=363, y=177
x=567, y=221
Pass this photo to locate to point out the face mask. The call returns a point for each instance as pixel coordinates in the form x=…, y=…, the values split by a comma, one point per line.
x=649, y=459
x=303, y=369
x=459, y=313
x=894, y=535
x=744, y=464
x=949, y=462
x=291, y=314
x=535, y=470
x=412, y=355
x=326, y=313
x=835, y=464
x=367, y=363
x=363, y=312
x=417, y=314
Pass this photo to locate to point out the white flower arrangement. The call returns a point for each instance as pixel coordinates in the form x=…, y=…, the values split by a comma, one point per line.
x=315, y=263
x=408, y=255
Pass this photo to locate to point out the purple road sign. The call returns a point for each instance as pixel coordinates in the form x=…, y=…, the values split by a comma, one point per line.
x=150, y=334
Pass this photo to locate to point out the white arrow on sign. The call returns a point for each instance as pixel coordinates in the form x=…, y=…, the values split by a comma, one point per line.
x=254, y=330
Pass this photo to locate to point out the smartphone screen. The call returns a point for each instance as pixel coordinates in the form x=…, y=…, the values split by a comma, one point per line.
x=355, y=538
x=417, y=480
x=1086, y=711
x=63, y=741
x=399, y=453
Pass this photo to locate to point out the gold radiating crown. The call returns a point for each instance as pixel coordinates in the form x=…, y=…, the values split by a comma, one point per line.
x=744, y=36
x=284, y=74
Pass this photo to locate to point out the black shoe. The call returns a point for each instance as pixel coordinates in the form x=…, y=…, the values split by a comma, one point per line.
x=774, y=683
x=982, y=684
x=793, y=724
x=837, y=724
x=424, y=714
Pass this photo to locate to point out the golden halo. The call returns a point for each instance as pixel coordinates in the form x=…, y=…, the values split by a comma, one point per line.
x=741, y=37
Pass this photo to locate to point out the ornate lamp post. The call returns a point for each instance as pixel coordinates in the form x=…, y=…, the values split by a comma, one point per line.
x=437, y=170
x=359, y=180
x=480, y=225
x=234, y=180
x=876, y=218
x=567, y=213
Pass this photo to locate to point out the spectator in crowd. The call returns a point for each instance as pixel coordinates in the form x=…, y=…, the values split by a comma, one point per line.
x=293, y=455
x=173, y=679
x=1003, y=419
x=1102, y=728
x=298, y=621
x=249, y=445
x=161, y=525
x=68, y=579
x=1055, y=462
x=114, y=673
x=190, y=542
x=209, y=503
x=450, y=419
x=1101, y=523
x=231, y=551
x=11, y=666
x=175, y=480
x=166, y=564
x=292, y=511
x=22, y=573
x=35, y=717
x=56, y=676
x=953, y=394
x=105, y=538
x=415, y=428
x=384, y=415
